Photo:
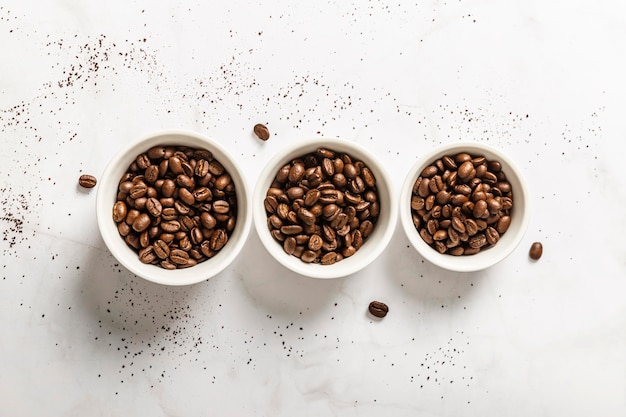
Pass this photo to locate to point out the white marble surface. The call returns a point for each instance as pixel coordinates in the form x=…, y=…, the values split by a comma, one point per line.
x=542, y=80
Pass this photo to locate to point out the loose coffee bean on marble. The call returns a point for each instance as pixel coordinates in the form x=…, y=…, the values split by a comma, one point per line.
x=261, y=131
x=536, y=250
x=322, y=206
x=378, y=309
x=462, y=204
x=176, y=206
x=87, y=181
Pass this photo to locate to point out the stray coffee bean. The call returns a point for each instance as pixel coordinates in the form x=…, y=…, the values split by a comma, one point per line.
x=378, y=309
x=322, y=206
x=87, y=181
x=461, y=204
x=261, y=131
x=176, y=206
x=536, y=250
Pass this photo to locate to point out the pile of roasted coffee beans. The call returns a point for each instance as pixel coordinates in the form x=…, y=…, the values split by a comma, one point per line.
x=461, y=204
x=176, y=206
x=322, y=206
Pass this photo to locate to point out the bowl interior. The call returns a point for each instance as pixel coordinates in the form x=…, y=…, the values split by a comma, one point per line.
x=107, y=191
x=520, y=213
x=376, y=241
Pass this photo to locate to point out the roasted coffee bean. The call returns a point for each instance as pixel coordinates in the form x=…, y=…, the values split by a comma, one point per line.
x=87, y=181
x=119, y=211
x=144, y=239
x=202, y=168
x=481, y=224
x=161, y=249
x=427, y=237
x=166, y=264
x=156, y=152
x=505, y=187
x=289, y=245
x=492, y=235
x=328, y=258
x=180, y=207
x=186, y=196
x=536, y=250
x=480, y=209
x=481, y=170
x=223, y=181
x=449, y=163
x=350, y=171
x=321, y=199
x=348, y=251
x=477, y=241
x=443, y=197
x=429, y=202
x=185, y=181
x=175, y=165
x=378, y=309
x=311, y=197
x=147, y=255
x=296, y=173
x=306, y=216
x=141, y=222
x=462, y=157
x=490, y=178
x=178, y=256
x=456, y=251
x=328, y=167
x=429, y=171
x=218, y=239
x=503, y=224
x=202, y=194
x=261, y=131
x=466, y=171
x=291, y=229
x=441, y=234
x=468, y=250
x=308, y=256
x=138, y=190
x=221, y=207
x=461, y=203
x=168, y=188
x=417, y=202
x=325, y=153
x=142, y=161
x=123, y=229
x=471, y=227
x=154, y=207
x=507, y=203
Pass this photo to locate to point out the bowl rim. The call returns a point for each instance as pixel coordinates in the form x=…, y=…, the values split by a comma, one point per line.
x=381, y=234
x=105, y=199
x=509, y=241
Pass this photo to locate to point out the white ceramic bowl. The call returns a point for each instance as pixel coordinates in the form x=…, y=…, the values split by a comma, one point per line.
x=377, y=240
x=520, y=213
x=106, y=197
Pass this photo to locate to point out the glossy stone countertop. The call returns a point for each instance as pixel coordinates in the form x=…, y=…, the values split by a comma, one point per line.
x=541, y=80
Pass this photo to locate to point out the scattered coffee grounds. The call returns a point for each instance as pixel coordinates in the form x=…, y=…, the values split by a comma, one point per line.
x=322, y=206
x=176, y=206
x=87, y=181
x=261, y=131
x=536, y=250
x=378, y=309
x=462, y=204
